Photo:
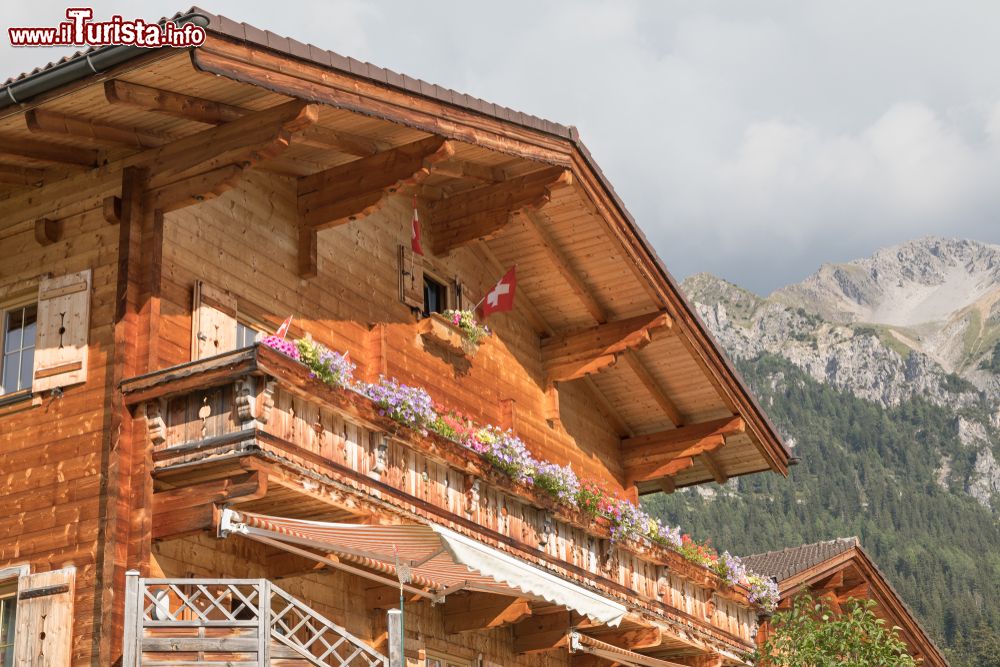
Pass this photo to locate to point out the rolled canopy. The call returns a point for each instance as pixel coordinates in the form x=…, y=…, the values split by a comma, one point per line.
x=435, y=557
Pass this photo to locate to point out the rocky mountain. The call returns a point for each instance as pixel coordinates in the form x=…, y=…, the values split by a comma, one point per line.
x=919, y=320
x=884, y=375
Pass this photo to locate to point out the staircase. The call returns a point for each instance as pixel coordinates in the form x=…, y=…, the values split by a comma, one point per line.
x=233, y=622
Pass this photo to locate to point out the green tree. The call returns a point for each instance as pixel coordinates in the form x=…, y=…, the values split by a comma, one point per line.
x=810, y=634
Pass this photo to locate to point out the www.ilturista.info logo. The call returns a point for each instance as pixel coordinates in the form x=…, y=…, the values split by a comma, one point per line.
x=79, y=30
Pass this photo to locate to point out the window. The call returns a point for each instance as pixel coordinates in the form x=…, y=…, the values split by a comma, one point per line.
x=246, y=335
x=18, y=337
x=439, y=660
x=435, y=296
x=8, y=613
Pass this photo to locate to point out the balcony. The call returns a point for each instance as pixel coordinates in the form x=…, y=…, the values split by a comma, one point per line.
x=251, y=429
x=249, y=622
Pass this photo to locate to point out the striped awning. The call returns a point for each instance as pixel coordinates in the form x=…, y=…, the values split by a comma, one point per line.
x=434, y=558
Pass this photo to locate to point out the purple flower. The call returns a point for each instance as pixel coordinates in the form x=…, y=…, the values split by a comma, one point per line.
x=407, y=405
x=507, y=452
x=559, y=481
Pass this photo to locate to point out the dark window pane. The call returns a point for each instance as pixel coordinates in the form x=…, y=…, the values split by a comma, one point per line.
x=30, y=324
x=435, y=296
x=27, y=366
x=10, y=372
x=12, y=330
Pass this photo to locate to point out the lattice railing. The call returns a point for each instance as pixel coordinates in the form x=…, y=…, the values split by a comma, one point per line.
x=232, y=622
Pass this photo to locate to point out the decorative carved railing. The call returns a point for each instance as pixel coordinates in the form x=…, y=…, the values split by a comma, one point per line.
x=243, y=622
x=258, y=402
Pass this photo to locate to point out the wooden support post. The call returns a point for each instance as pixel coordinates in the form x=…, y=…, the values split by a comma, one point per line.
x=264, y=623
x=395, y=622
x=133, y=620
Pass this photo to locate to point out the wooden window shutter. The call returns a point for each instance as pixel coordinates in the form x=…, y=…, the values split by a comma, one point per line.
x=43, y=633
x=62, y=331
x=213, y=321
x=411, y=278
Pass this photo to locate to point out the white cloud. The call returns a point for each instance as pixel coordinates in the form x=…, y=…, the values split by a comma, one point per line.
x=753, y=139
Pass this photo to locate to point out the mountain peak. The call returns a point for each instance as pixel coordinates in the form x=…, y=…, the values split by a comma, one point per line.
x=922, y=281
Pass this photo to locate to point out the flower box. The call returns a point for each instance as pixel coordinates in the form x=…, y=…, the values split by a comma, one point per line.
x=439, y=330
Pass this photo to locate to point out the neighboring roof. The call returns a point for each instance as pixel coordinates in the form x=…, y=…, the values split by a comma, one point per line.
x=789, y=562
x=770, y=443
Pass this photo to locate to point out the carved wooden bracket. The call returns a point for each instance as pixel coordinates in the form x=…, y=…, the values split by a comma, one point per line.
x=243, y=403
x=156, y=428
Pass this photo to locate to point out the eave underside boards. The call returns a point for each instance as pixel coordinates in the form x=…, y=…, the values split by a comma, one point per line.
x=585, y=244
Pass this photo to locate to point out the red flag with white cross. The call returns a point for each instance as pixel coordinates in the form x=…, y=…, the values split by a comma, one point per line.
x=501, y=298
x=415, y=232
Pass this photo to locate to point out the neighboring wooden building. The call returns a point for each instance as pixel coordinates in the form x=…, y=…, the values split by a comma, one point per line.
x=159, y=209
x=838, y=571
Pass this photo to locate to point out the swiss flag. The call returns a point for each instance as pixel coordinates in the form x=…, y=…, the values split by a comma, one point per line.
x=501, y=298
x=415, y=235
x=283, y=329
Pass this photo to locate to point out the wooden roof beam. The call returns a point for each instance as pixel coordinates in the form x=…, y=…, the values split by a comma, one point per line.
x=638, y=470
x=43, y=121
x=482, y=611
x=715, y=467
x=55, y=154
x=13, y=175
x=672, y=441
x=653, y=387
x=572, y=355
x=210, y=112
x=632, y=639
x=353, y=190
x=481, y=213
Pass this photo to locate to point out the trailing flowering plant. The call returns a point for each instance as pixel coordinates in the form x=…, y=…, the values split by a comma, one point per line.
x=413, y=407
x=763, y=591
x=560, y=482
x=507, y=452
x=325, y=364
x=407, y=405
x=592, y=498
x=730, y=568
x=465, y=320
x=286, y=347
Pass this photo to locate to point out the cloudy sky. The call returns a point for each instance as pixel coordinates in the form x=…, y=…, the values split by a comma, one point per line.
x=752, y=139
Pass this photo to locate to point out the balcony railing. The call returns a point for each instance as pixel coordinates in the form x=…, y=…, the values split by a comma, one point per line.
x=246, y=622
x=257, y=402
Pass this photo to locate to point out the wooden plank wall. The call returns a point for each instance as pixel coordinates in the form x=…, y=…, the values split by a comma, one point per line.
x=51, y=454
x=336, y=595
x=246, y=242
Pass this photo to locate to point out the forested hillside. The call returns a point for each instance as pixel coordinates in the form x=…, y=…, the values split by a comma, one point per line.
x=874, y=472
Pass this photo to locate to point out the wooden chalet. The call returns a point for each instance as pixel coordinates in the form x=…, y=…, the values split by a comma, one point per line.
x=176, y=493
x=838, y=571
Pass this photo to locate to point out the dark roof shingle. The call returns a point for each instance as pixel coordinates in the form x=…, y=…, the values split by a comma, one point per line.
x=789, y=562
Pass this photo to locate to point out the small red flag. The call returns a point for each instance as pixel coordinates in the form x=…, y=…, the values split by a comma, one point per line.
x=415, y=236
x=283, y=329
x=501, y=298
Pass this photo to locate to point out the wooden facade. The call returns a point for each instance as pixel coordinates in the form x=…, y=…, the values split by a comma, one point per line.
x=157, y=213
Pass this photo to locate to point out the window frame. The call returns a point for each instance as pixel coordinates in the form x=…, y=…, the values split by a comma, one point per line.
x=5, y=308
x=448, y=288
x=445, y=660
x=9, y=580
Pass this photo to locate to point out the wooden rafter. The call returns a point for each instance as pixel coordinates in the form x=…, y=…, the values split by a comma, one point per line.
x=565, y=267
x=353, y=190
x=574, y=354
x=50, y=153
x=480, y=611
x=714, y=467
x=482, y=212
x=632, y=639
x=210, y=112
x=42, y=121
x=653, y=387
x=542, y=632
